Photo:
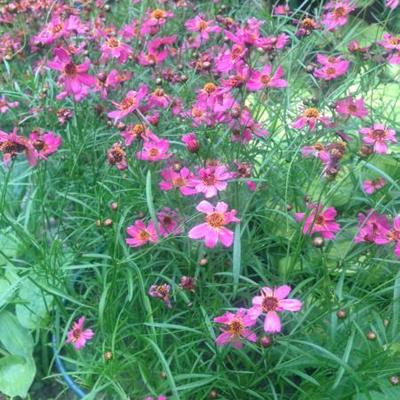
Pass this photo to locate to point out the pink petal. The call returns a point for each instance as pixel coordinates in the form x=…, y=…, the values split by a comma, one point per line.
x=291, y=304
x=272, y=322
x=282, y=292
x=205, y=207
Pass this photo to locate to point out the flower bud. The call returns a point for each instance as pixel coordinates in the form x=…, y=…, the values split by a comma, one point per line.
x=341, y=314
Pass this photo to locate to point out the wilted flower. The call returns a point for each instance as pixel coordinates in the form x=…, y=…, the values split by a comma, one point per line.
x=161, y=292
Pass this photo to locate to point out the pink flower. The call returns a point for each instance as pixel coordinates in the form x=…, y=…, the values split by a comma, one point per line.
x=135, y=132
x=392, y=4
x=281, y=9
x=310, y=117
x=114, y=48
x=161, y=292
x=394, y=235
x=349, y=107
x=74, y=77
x=337, y=13
x=372, y=228
x=45, y=144
x=129, y=104
x=168, y=222
x=191, y=142
x=141, y=234
x=213, y=229
x=378, y=137
x=177, y=180
x=7, y=105
x=12, y=144
x=319, y=221
x=159, y=98
x=211, y=180
x=264, y=79
x=272, y=301
x=154, y=149
x=371, y=186
x=154, y=20
x=333, y=69
x=203, y=27
x=236, y=328
x=79, y=336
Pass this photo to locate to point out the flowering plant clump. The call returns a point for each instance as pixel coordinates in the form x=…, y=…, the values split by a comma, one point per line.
x=200, y=199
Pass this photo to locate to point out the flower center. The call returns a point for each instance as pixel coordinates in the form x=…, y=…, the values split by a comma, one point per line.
x=339, y=12
x=117, y=155
x=235, y=327
x=265, y=79
x=38, y=144
x=331, y=71
x=70, y=69
x=209, y=180
x=113, y=43
x=311, y=113
x=153, y=152
x=269, y=303
x=144, y=235
x=308, y=23
x=127, y=103
x=203, y=25
x=57, y=28
x=159, y=92
x=378, y=134
x=179, y=181
x=158, y=14
x=76, y=333
x=319, y=220
x=209, y=87
x=352, y=108
x=197, y=112
x=215, y=220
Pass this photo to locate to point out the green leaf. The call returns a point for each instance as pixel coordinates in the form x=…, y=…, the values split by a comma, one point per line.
x=34, y=308
x=236, y=258
x=15, y=338
x=149, y=200
x=16, y=375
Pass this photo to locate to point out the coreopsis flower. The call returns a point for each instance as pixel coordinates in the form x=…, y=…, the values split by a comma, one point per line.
x=211, y=180
x=202, y=27
x=129, y=104
x=45, y=144
x=6, y=105
x=115, y=48
x=351, y=107
x=263, y=79
x=135, y=132
x=243, y=171
x=228, y=59
x=141, y=234
x=392, y=236
x=236, y=328
x=168, y=222
x=319, y=221
x=392, y=4
x=371, y=186
x=310, y=117
x=371, y=227
x=12, y=144
x=191, y=142
x=64, y=115
x=332, y=67
x=158, y=98
x=270, y=302
x=74, y=77
x=336, y=13
x=306, y=26
x=154, y=149
x=154, y=20
x=281, y=9
x=379, y=137
x=177, y=180
x=117, y=156
x=188, y=283
x=213, y=229
x=78, y=336
x=161, y=292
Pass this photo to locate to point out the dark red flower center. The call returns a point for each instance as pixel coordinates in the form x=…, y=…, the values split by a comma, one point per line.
x=269, y=303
